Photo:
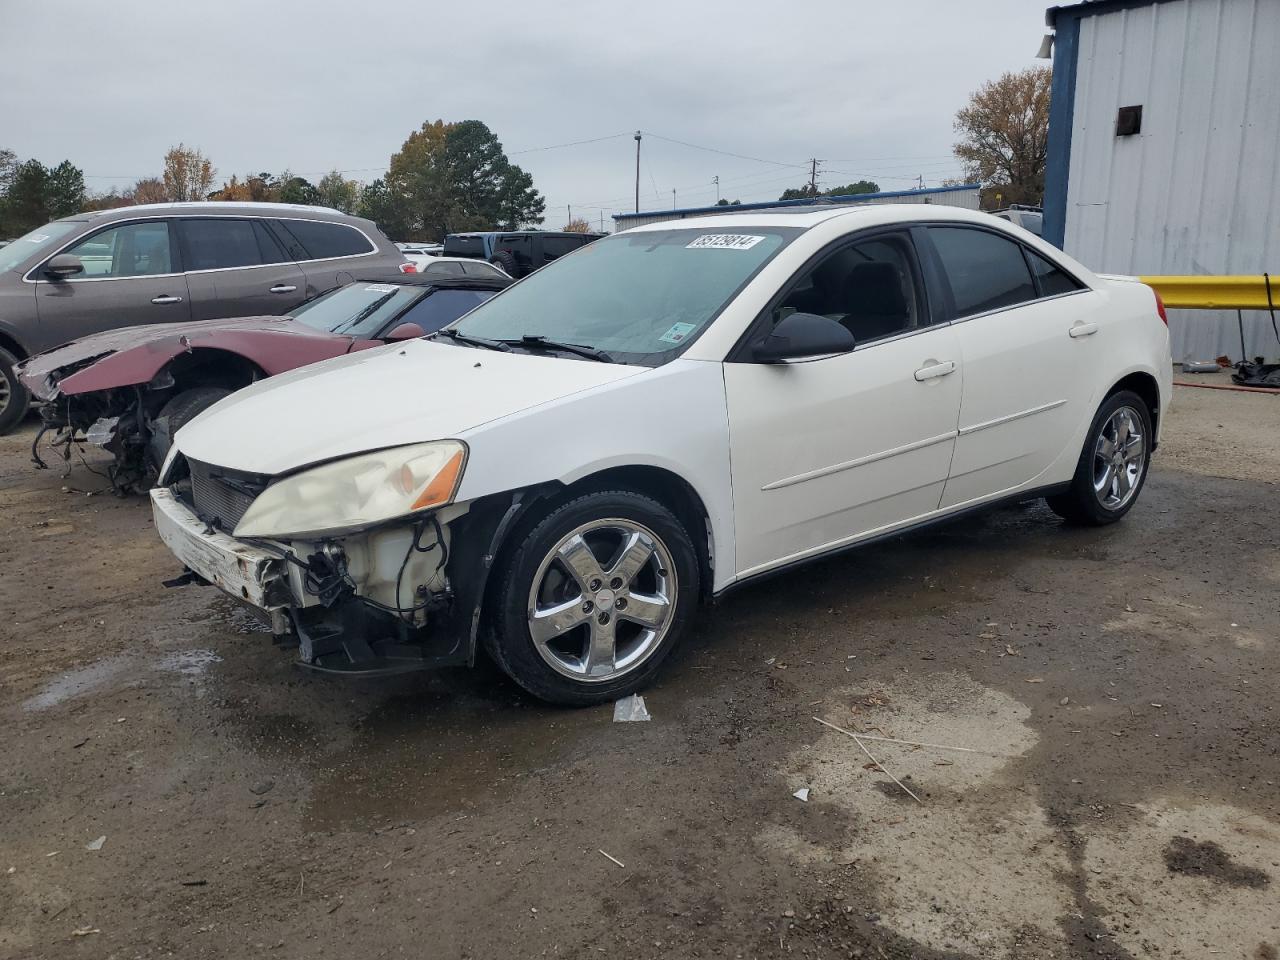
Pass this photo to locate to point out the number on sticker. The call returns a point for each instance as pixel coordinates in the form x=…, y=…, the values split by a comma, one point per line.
x=724, y=241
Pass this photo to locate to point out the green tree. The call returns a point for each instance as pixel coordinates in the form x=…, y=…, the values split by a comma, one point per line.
x=853, y=189
x=337, y=191
x=379, y=203
x=456, y=176
x=26, y=203
x=728, y=203
x=293, y=189
x=798, y=193
x=8, y=163
x=65, y=192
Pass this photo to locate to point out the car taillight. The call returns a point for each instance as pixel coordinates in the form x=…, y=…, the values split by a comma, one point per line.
x=1160, y=307
x=407, y=267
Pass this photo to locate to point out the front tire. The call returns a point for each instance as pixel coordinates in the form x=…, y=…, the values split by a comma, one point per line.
x=593, y=598
x=1113, y=464
x=14, y=397
x=176, y=414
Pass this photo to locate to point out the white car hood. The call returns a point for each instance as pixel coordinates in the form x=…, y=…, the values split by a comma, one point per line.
x=403, y=393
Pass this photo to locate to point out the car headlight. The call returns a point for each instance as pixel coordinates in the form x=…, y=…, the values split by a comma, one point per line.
x=357, y=491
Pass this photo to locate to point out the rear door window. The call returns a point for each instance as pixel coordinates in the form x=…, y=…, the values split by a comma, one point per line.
x=442, y=307
x=555, y=247
x=324, y=241
x=219, y=243
x=129, y=250
x=458, y=246
x=1052, y=280
x=986, y=271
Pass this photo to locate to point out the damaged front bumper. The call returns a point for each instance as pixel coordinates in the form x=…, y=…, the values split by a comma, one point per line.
x=332, y=596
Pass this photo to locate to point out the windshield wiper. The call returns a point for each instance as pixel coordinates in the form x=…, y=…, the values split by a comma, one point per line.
x=537, y=341
x=473, y=341
x=364, y=314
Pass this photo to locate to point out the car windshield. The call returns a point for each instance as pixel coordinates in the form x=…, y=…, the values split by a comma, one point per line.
x=358, y=310
x=639, y=297
x=14, y=255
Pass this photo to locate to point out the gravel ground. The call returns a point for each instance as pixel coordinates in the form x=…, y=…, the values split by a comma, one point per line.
x=1117, y=689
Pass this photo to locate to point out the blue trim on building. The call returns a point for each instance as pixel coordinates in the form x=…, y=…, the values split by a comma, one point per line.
x=1091, y=8
x=1062, y=104
x=803, y=202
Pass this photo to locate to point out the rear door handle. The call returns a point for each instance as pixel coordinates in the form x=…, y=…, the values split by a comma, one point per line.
x=1083, y=330
x=283, y=288
x=165, y=298
x=934, y=370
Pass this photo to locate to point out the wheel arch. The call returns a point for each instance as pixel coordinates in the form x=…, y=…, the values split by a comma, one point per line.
x=1147, y=387
x=211, y=366
x=10, y=343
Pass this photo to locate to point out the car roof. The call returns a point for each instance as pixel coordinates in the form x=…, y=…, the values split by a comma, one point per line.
x=213, y=207
x=867, y=214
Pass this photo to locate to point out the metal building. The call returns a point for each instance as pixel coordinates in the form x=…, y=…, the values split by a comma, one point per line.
x=1164, y=149
x=959, y=196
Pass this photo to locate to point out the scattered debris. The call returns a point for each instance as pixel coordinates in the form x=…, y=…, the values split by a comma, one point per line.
x=194, y=883
x=863, y=747
x=96, y=844
x=84, y=931
x=802, y=794
x=1064, y=701
x=1009, y=651
x=77, y=746
x=1034, y=680
x=610, y=857
x=630, y=710
x=261, y=787
x=788, y=914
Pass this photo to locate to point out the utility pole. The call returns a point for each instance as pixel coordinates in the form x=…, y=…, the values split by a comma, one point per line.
x=602, y=221
x=637, y=171
x=813, y=176
x=920, y=181
x=716, y=181
x=570, y=206
x=673, y=198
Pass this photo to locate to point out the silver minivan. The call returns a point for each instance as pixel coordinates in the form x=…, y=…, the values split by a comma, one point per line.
x=170, y=262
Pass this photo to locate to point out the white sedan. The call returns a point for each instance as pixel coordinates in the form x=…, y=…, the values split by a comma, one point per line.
x=563, y=474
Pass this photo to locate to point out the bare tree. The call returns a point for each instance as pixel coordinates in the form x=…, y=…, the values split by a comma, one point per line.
x=577, y=225
x=1004, y=134
x=188, y=174
x=149, y=190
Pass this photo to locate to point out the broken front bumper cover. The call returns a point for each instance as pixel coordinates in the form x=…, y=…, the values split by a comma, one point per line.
x=342, y=633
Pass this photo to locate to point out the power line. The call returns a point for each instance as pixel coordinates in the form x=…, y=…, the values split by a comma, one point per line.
x=571, y=143
x=727, y=153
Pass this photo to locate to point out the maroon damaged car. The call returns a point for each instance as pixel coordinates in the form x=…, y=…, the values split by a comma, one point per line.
x=130, y=390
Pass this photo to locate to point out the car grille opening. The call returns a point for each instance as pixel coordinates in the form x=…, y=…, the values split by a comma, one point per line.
x=221, y=496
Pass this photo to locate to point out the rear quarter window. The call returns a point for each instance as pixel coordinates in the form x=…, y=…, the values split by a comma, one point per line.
x=322, y=240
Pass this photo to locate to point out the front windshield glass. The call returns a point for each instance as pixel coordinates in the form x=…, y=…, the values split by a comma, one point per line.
x=640, y=297
x=358, y=309
x=14, y=255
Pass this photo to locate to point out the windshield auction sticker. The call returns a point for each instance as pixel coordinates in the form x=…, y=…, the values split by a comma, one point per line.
x=678, y=332
x=724, y=241
x=381, y=288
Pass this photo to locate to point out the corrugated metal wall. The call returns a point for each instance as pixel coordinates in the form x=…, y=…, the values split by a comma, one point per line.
x=1198, y=190
x=967, y=197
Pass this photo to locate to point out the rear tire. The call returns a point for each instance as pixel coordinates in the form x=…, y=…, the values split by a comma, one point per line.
x=14, y=397
x=181, y=409
x=507, y=261
x=592, y=599
x=1113, y=464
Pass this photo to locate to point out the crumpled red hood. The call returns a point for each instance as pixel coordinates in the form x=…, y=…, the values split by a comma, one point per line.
x=159, y=337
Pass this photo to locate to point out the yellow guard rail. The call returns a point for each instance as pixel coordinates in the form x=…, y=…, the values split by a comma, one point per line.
x=1217, y=293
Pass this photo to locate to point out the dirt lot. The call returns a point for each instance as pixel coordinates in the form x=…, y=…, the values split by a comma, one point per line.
x=1119, y=687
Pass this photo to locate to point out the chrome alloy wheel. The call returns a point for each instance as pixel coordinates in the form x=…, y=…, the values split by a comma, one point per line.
x=6, y=395
x=602, y=600
x=1119, y=457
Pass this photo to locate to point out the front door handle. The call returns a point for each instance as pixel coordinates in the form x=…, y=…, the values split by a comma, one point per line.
x=165, y=298
x=1083, y=330
x=283, y=288
x=935, y=370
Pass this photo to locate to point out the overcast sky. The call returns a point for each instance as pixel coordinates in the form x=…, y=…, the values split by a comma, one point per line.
x=869, y=89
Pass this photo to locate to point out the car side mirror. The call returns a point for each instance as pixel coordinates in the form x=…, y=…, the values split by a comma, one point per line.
x=803, y=335
x=405, y=331
x=64, y=265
